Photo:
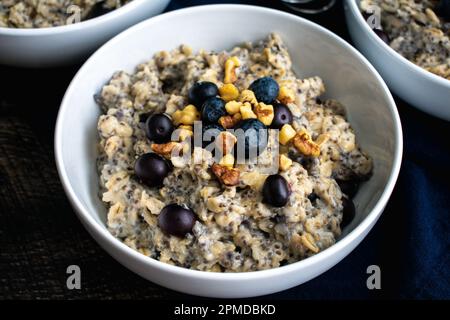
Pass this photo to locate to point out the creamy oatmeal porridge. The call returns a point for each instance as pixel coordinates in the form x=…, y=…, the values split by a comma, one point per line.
x=218, y=214
x=50, y=13
x=418, y=30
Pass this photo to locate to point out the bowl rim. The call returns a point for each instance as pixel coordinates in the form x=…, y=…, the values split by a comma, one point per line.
x=417, y=69
x=107, y=240
x=90, y=23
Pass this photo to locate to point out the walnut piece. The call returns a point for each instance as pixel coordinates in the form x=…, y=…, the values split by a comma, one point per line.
x=228, y=122
x=230, y=70
x=164, y=149
x=265, y=113
x=226, y=175
x=305, y=145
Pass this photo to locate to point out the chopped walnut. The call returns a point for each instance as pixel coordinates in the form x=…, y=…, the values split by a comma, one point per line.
x=286, y=95
x=228, y=176
x=230, y=70
x=229, y=122
x=165, y=149
x=305, y=145
x=248, y=96
x=265, y=113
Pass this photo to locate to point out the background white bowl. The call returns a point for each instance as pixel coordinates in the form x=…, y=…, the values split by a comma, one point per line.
x=47, y=47
x=420, y=88
x=315, y=51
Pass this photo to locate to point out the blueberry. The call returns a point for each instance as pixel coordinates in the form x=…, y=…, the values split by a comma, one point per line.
x=382, y=35
x=209, y=132
x=176, y=220
x=348, y=213
x=213, y=109
x=276, y=191
x=151, y=169
x=443, y=9
x=266, y=89
x=282, y=116
x=159, y=128
x=348, y=187
x=201, y=91
x=252, y=134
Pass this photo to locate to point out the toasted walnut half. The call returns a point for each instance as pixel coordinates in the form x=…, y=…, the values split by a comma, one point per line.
x=226, y=175
x=305, y=145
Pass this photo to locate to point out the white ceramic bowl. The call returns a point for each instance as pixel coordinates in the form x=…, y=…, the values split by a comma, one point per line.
x=420, y=88
x=315, y=51
x=48, y=47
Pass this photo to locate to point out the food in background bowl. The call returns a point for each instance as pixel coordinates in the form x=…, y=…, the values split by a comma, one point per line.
x=69, y=42
x=418, y=30
x=43, y=14
x=226, y=212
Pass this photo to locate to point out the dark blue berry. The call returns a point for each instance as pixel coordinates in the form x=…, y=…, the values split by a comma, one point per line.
x=159, y=128
x=266, y=89
x=213, y=109
x=252, y=135
x=282, y=116
x=201, y=91
x=276, y=191
x=176, y=220
x=151, y=169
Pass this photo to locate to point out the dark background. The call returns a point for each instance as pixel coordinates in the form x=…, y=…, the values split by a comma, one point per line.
x=40, y=235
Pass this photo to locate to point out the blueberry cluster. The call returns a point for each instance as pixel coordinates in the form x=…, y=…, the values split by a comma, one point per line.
x=210, y=104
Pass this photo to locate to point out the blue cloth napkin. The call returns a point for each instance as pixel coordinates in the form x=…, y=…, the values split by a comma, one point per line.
x=411, y=242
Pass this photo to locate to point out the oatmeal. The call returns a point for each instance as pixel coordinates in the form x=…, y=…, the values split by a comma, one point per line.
x=50, y=13
x=418, y=30
x=218, y=213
